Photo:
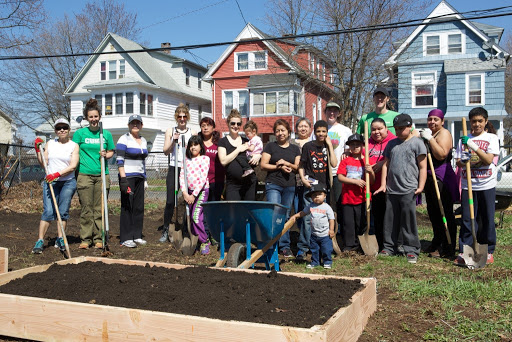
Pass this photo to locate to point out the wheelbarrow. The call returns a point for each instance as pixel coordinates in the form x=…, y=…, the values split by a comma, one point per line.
x=238, y=224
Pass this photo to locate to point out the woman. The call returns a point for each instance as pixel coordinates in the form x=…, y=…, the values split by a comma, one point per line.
x=303, y=130
x=237, y=187
x=379, y=137
x=281, y=161
x=61, y=156
x=216, y=172
x=172, y=136
x=89, y=184
x=132, y=150
x=440, y=146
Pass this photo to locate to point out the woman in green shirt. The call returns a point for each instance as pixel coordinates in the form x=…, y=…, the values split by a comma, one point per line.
x=88, y=183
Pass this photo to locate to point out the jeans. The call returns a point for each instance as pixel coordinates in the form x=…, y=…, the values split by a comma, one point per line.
x=64, y=191
x=321, y=247
x=305, y=234
x=284, y=196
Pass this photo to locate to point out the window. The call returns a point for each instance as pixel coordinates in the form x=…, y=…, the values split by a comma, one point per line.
x=243, y=102
x=150, y=104
x=187, y=76
x=475, y=89
x=108, y=104
x=283, y=102
x=247, y=61
x=275, y=102
x=119, y=104
x=433, y=46
x=454, y=43
x=199, y=111
x=238, y=99
x=228, y=101
x=121, y=68
x=129, y=103
x=312, y=63
x=259, y=103
x=199, y=75
x=297, y=103
x=103, y=71
x=323, y=71
x=142, y=106
x=444, y=43
x=424, y=89
x=115, y=69
x=99, y=98
x=112, y=70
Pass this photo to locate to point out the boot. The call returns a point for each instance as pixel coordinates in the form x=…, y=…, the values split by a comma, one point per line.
x=165, y=236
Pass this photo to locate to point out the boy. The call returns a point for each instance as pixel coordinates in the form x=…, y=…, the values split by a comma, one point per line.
x=403, y=178
x=483, y=156
x=316, y=158
x=351, y=173
x=322, y=226
x=255, y=147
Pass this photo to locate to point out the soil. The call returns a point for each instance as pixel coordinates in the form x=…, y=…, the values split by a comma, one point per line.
x=269, y=298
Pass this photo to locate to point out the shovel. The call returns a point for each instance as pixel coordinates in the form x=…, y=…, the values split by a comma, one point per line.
x=188, y=247
x=104, y=208
x=177, y=237
x=368, y=242
x=476, y=256
x=56, y=206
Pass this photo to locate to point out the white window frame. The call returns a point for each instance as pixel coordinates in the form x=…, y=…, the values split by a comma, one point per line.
x=250, y=60
x=482, y=82
x=415, y=83
x=117, y=70
x=443, y=42
x=236, y=101
x=291, y=102
x=199, y=84
x=187, y=76
x=146, y=103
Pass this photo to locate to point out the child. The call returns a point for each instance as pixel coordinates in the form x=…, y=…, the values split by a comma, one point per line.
x=255, y=147
x=197, y=165
x=351, y=173
x=403, y=178
x=483, y=156
x=322, y=226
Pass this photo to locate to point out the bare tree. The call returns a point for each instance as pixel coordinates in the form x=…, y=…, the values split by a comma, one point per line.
x=18, y=19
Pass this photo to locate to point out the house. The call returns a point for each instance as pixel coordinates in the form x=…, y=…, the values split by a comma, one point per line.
x=151, y=84
x=451, y=65
x=7, y=128
x=269, y=80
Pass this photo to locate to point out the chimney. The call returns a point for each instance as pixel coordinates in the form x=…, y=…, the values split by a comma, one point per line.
x=166, y=45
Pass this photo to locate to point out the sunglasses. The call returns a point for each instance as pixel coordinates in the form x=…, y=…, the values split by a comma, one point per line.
x=182, y=116
x=62, y=128
x=235, y=124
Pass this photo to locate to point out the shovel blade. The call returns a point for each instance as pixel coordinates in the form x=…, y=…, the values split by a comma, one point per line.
x=177, y=239
x=369, y=244
x=187, y=248
x=475, y=257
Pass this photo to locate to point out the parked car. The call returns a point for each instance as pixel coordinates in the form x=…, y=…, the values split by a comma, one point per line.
x=28, y=173
x=504, y=176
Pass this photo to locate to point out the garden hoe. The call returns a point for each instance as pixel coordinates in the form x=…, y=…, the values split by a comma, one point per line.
x=56, y=206
x=368, y=242
x=104, y=203
x=188, y=247
x=476, y=256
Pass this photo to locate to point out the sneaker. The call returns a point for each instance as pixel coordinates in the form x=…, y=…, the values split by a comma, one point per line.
x=247, y=172
x=490, y=258
x=287, y=253
x=98, y=245
x=56, y=245
x=129, y=244
x=205, y=248
x=327, y=266
x=84, y=245
x=38, y=248
x=165, y=236
x=310, y=266
x=60, y=244
x=459, y=260
x=141, y=242
x=412, y=258
x=384, y=253
x=301, y=255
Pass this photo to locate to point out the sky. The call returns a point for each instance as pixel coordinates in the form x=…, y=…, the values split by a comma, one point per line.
x=209, y=21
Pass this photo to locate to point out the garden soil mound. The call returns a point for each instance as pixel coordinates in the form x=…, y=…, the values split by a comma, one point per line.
x=270, y=298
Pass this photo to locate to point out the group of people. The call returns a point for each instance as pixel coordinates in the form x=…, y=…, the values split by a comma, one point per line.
x=315, y=173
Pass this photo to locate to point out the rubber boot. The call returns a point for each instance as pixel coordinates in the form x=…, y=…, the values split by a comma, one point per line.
x=165, y=236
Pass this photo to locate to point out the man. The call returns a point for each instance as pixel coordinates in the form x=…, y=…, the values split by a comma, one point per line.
x=380, y=99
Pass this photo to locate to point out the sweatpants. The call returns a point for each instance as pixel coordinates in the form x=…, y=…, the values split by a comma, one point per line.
x=132, y=210
x=484, y=208
x=354, y=221
x=196, y=216
x=400, y=218
x=169, y=203
x=378, y=212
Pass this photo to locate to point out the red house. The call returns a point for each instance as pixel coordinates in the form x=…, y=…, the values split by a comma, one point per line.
x=269, y=80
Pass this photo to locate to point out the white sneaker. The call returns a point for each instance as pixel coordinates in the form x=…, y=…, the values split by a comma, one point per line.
x=129, y=243
x=140, y=241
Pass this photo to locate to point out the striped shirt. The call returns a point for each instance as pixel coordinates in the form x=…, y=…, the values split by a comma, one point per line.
x=131, y=155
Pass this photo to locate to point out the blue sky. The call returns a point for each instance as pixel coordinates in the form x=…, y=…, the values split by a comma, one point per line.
x=208, y=21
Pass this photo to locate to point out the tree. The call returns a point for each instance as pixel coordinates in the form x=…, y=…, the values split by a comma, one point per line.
x=18, y=19
x=358, y=57
x=36, y=86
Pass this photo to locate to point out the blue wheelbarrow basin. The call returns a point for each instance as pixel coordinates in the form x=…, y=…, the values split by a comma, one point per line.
x=266, y=219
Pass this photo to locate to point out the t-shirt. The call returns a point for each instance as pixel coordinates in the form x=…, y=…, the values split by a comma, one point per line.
x=387, y=117
x=187, y=134
x=289, y=153
x=376, y=154
x=234, y=169
x=315, y=160
x=89, y=142
x=403, y=170
x=319, y=216
x=131, y=155
x=216, y=171
x=354, y=169
x=339, y=135
x=59, y=157
x=258, y=146
x=483, y=177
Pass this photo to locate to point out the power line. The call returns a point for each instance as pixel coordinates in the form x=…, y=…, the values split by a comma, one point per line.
x=397, y=25
x=241, y=13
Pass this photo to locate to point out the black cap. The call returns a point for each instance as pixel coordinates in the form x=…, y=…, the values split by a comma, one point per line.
x=381, y=90
x=402, y=120
x=135, y=117
x=315, y=188
x=355, y=137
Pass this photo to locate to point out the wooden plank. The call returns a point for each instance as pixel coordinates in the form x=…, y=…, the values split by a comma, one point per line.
x=4, y=260
x=52, y=320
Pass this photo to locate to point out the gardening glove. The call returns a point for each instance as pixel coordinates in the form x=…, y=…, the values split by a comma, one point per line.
x=38, y=143
x=425, y=134
x=465, y=156
x=469, y=143
x=51, y=177
x=123, y=185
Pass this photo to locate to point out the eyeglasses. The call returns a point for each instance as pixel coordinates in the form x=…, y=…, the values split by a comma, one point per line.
x=62, y=128
x=182, y=117
x=235, y=123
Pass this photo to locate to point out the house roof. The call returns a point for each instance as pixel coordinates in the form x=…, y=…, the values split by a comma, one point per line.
x=267, y=81
x=118, y=82
x=5, y=116
x=489, y=30
x=473, y=64
x=447, y=12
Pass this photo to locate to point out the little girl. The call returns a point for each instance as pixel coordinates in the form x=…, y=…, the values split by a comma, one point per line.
x=197, y=165
x=255, y=147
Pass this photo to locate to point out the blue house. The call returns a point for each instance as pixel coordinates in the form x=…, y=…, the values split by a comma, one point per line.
x=452, y=64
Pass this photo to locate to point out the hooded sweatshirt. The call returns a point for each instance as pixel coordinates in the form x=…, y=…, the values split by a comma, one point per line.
x=376, y=154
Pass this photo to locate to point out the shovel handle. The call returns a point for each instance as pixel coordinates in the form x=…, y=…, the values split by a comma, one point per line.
x=470, y=186
x=367, y=177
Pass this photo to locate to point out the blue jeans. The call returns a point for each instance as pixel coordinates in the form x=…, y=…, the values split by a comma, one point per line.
x=321, y=247
x=305, y=234
x=64, y=191
x=284, y=196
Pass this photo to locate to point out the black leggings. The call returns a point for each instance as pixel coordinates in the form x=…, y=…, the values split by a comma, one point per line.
x=169, y=203
x=244, y=189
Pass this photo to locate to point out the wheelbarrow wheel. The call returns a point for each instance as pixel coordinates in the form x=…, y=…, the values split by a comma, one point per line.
x=236, y=255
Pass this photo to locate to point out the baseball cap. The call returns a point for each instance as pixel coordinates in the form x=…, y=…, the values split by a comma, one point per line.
x=135, y=117
x=332, y=104
x=402, y=120
x=381, y=90
x=317, y=187
x=61, y=121
x=355, y=137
